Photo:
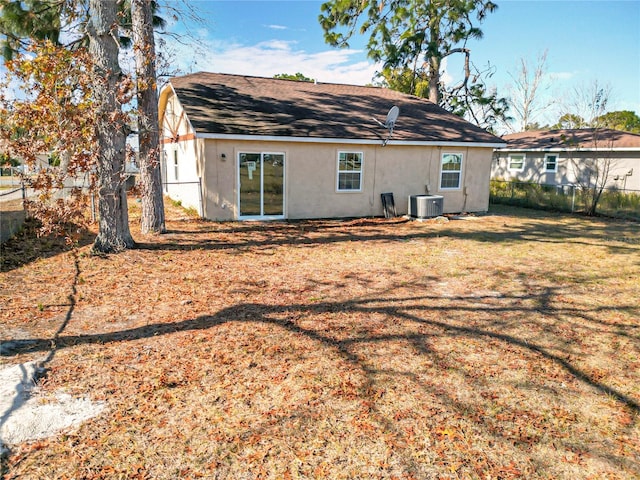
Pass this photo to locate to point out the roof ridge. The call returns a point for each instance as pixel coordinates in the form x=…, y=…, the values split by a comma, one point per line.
x=261, y=77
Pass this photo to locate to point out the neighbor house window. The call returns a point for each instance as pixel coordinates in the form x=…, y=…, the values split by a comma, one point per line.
x=175, y=164
x=551, y=163
x=349, y=171
x=516, y=163
x=450, y=174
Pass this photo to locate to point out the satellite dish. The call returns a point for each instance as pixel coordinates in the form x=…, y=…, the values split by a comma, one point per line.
x=389, y=123
x=392, y=116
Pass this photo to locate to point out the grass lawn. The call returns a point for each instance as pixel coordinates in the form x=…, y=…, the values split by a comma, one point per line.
x=504, y=346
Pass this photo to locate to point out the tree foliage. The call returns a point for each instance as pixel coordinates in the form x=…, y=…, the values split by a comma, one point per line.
x=480, y=104
x=624, y=120
x=570, y=121
x=412, y=38
x=299, y=77
x=21, y=21
x=584, y=103
x=28, y=22
x=55, y=115
x=406, y=80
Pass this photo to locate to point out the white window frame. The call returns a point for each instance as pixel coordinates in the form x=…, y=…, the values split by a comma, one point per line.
x=360, y=172
x=510, y=158
x=163, y=170
x=175, y=164
x=459, y=172
x=555, y=163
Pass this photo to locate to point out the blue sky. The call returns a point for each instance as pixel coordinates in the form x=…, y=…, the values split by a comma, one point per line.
x=586, y=41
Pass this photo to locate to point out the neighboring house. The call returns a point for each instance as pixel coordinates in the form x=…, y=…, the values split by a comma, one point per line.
x=571, y=157
x=41, y=162
x=239, y=147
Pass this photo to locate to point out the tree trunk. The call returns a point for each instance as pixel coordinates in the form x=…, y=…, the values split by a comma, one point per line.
x=434, y=80
x=145, y=55
x=434, y=59
x=113, y=235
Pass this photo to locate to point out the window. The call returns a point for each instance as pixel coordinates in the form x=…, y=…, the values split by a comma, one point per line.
x=451, y=170
x=175, y=164
x=516, y=163
x=350, y=171
x=551, y=163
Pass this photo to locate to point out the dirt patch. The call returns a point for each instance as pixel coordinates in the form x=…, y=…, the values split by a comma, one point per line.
x=28, y=414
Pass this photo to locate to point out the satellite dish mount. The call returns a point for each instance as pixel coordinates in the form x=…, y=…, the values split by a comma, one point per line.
x=389, y=123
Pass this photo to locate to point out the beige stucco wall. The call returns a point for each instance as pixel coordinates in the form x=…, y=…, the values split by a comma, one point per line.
x=570, y=168
x=311, y=176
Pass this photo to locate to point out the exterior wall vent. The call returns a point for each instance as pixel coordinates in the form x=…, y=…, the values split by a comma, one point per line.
x=425, y=206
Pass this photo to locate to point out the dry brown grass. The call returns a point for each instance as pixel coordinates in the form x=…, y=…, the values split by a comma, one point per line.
x=502, y=347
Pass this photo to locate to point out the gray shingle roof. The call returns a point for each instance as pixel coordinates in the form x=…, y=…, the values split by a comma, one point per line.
x=585, y=138
x=243, y=105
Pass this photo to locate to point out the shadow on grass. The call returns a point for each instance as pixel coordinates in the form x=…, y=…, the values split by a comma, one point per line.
x=396, y=308
x=616, y=236
x=429, y=316
x=27, y=246
x=433, y=312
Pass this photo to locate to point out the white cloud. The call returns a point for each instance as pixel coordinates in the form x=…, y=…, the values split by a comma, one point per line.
x=202, y=33
x=552, y=76
x=276, y=27
x=445, y=75
x=271, y=57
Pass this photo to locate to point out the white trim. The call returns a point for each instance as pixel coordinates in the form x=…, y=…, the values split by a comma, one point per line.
x=175, y=163
x=338, y=171
x=185, y=116
x=459, y=187
x=555, y=169
x=265, y=218
x=351, y=141
x=521, y=169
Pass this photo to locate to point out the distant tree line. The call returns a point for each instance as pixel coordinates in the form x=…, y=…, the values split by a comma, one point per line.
x=623, y=120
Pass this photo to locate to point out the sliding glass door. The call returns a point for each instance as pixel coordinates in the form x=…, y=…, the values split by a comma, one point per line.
x=261, y=177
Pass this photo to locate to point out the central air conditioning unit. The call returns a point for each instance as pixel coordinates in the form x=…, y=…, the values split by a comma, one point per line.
x=425, y=206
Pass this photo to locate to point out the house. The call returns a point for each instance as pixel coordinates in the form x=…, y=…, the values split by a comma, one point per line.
x=42, y=161
x=239, y=147
x=584, y=157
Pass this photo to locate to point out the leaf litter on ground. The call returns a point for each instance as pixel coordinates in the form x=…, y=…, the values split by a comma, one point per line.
x=507, y=347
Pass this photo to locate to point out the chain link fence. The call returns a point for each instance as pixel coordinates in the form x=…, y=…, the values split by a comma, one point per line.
x=566, y=198
x=14, y=195
x=12, y=211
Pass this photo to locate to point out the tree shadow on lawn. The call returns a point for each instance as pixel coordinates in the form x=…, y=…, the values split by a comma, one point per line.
x=431, y=312
x=27, y=247
x=617, y=236
x=261, y=313
x=427, y=319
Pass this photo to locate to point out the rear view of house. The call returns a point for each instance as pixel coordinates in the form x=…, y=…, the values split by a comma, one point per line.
x=238, y=147
x=586, y=157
